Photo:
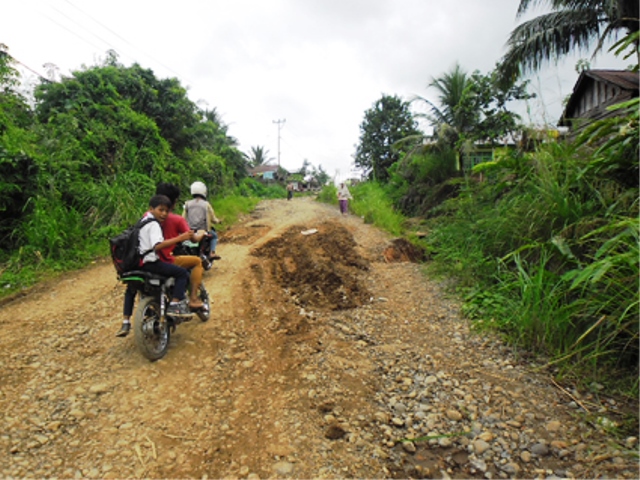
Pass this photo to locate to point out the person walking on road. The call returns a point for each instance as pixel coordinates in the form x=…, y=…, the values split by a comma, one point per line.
x=289, y=191
x=343, y=199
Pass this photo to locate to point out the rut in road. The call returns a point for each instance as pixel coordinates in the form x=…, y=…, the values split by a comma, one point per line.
x=319, y=359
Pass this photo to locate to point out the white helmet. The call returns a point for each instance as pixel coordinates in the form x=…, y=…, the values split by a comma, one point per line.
x=199, y=188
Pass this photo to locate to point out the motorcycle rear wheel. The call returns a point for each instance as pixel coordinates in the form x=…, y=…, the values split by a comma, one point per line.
x=152, y=332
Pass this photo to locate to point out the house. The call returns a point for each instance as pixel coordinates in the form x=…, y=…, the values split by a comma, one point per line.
x=594, y=91
x=264, y=172
x=480, y=152
x=524, y=140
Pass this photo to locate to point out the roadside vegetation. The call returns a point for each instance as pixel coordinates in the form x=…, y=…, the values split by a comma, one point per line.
x=80, y=158
x=540, y=240
x=543, y=249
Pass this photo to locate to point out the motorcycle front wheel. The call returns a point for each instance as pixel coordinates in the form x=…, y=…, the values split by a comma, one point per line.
x=151, y=330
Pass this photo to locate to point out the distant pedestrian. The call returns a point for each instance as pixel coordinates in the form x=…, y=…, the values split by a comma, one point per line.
x=343, y=199
x=289, y=191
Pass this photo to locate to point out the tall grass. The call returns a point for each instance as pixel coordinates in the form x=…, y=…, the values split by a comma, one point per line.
x=229, y=208
x=328, y=194
x=546, y=250
x=370, y=202
x=249, y=187
x=374, y=206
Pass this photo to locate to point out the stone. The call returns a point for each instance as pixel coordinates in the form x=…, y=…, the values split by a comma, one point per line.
x=99, y=388
x=525, y=456
x=553, y=426
x=540, y=449
x=480, y=446
x=409, y=447
x=454, y=415
x=334, y=432
x=283, y=468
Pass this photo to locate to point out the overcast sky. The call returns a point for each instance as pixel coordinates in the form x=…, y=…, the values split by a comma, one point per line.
x=316, y=64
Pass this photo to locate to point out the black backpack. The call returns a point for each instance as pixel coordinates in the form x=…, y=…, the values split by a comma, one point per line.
x=124, y=247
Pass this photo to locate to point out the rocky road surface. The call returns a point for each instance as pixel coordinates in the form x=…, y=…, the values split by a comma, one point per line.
x=328, y=356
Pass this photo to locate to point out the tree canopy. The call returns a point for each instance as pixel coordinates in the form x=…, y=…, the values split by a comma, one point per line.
x=85, y=152
x=570, y=25
x=382, y=132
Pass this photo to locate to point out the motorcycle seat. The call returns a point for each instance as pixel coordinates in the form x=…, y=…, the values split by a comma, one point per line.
x=142, y=276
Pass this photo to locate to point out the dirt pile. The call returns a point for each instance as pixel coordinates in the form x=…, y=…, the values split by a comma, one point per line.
x=318, y=268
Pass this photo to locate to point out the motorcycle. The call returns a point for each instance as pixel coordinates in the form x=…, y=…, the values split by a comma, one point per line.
x=151, y=324
x=199, y=249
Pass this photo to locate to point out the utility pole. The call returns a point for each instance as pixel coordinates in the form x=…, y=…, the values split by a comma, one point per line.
x=279, y=123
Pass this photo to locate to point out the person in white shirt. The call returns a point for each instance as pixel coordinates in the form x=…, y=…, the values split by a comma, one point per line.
x=151, y=240
x=343, y=199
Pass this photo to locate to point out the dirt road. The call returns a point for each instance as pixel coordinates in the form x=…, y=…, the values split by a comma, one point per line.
x=320, y=361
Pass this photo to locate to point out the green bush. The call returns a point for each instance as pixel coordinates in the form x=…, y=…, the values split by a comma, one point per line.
x=250, y=187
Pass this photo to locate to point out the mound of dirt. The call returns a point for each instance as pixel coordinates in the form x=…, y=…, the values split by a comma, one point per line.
x=402, y=250
x=319, y=270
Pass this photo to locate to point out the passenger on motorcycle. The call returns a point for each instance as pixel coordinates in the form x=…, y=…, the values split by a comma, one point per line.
x=200, y=216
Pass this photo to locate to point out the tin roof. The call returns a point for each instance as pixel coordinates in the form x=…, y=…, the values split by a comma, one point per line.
x=263, y=168
x=624, y=79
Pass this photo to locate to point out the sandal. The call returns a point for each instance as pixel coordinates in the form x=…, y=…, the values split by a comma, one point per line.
x=195, y=306
x=124, y=330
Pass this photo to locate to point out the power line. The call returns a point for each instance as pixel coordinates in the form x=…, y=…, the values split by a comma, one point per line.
x=25, y=66
x=82, y=27
x=123, y=39
x=71, y=31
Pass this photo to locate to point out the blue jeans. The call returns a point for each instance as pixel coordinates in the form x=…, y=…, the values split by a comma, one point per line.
x=214, y=240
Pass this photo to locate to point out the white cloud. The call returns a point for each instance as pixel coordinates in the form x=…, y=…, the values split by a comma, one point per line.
x=319, y=64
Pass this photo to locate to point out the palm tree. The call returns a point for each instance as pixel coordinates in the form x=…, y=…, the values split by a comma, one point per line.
x=258, y=156
x=446, y=116
x=450, y=87
x=571, y=25
x=449, y=121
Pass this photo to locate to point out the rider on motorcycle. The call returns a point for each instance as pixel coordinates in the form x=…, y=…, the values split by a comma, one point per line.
x=200, y=216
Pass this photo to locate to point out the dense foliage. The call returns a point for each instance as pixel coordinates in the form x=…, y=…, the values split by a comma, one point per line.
x=569, y=26
x=387, y=123
x=81, y=159
x=547, y=250
x=543, y=238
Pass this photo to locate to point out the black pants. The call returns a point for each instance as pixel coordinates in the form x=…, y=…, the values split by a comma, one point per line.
x=160, y=268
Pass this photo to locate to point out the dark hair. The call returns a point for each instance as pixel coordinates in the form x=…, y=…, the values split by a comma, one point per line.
x=170, y=190
x=158, y=200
